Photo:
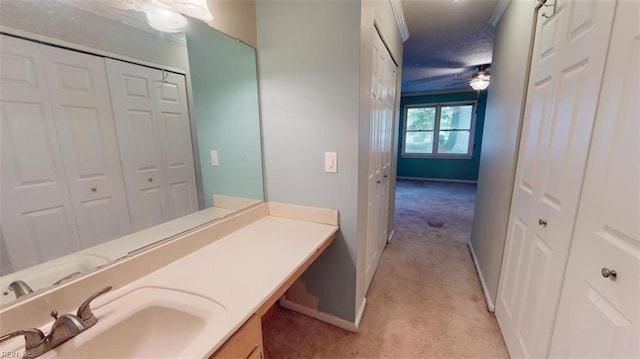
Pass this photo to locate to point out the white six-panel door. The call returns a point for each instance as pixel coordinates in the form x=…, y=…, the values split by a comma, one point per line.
x=79, y=92
x=139, y=140
x=37, y=215
x=383, y=82
x=566, y=70
x=599, y=316
x=152, y=124
x=175, y=135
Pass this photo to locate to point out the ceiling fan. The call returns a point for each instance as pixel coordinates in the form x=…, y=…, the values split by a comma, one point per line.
x=479, y=79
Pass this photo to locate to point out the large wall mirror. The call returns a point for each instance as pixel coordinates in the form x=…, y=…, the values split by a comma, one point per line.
x=115, y=136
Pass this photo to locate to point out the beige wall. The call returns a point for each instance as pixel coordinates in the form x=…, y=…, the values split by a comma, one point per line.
x=374, y=13
x=236, y=18
x=500, y=141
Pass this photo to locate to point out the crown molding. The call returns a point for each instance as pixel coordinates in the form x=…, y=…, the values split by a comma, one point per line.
x=497, y=12
x=129, y=18
x=398, y=12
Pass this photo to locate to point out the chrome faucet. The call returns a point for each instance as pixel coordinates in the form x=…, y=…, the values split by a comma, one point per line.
x=20, y=288
x=64, y=328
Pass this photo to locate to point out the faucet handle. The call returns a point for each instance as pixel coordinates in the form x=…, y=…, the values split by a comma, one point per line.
x=84, y=311
x=32, y=337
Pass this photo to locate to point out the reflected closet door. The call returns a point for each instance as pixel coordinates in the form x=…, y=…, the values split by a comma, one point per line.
x=175, y=137
x=82, y=109
x=37, y=215
x=138, y=131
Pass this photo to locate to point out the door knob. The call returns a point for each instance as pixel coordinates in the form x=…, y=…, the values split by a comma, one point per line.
x=608, y=273
x=542, y=222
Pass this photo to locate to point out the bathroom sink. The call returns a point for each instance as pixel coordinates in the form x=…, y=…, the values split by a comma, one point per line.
x=149, y=322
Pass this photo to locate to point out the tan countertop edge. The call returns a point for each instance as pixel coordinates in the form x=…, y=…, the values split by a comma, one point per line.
x=244, y=262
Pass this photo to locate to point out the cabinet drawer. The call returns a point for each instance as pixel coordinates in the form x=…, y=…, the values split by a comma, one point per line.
x=246, y=342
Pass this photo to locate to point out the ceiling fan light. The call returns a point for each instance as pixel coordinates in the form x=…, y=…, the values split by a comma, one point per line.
x=193, y=8
x=479, y=83
x=165, y=20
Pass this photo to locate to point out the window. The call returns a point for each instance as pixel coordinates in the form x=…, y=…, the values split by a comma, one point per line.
x=452, y=124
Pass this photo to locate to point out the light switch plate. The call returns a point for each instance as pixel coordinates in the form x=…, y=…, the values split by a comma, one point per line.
x=214, y=158
x=331, y=162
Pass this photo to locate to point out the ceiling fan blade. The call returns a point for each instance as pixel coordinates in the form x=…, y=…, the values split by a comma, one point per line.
x=458, y=84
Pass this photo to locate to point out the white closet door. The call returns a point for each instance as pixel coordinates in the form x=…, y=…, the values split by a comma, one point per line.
x=567, y=66
x=600, y=316
x=132, y=92
x=175, y=135
x=381, y=127
x=36, y=211
x=82, y=109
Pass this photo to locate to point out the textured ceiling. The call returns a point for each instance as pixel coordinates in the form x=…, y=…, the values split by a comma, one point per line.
x=447, y=40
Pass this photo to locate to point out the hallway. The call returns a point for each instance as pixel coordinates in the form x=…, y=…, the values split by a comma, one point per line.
x=425, y=299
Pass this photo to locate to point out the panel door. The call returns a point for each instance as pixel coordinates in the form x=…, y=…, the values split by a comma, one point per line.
x=599, y=316
x=566, y=70
x=79, y=93
x=36, y=211
x=177, y=151
x=132, y=95
x=382, y=89
x=387, y=141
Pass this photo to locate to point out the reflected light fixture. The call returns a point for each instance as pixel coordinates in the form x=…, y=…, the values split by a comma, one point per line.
x=165, y=15
x=165, y=20
x=480, y=79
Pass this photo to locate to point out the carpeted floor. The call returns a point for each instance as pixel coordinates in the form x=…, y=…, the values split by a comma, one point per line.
x=425, y=300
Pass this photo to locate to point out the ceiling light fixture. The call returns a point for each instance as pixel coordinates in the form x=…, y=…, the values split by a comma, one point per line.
x=165, y=15
x=165, y=20
x=480, y=79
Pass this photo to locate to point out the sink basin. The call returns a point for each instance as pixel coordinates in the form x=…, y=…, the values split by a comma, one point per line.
x=149, y=322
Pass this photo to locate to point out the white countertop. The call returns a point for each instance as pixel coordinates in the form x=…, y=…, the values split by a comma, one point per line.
x=245, y=259
x=240, y=271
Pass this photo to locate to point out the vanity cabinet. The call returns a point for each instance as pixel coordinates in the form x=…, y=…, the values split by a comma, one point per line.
x=245, y=343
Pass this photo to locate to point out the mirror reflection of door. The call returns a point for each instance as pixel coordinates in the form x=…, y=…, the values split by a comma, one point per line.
x=107, y=135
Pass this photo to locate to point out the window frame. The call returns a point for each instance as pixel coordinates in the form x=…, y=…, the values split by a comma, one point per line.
x=436, y=130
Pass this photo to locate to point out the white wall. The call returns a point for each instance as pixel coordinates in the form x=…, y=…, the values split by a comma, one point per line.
x=308, y=63
x=510, y=67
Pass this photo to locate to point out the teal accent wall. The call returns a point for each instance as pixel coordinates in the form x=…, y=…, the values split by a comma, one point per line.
x=225, y=105
x=443, y=168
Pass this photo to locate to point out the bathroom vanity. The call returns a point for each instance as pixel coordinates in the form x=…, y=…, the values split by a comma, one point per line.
x=200, y=295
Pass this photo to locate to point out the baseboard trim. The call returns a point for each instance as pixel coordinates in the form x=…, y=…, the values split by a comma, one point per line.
x=487, y=298
x=327, y=318
x=360, y=312
x=393, y=234
x=436, y=179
